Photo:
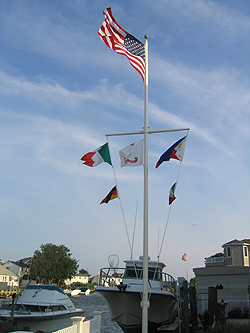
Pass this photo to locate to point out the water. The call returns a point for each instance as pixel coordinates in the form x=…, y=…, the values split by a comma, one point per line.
x=96, y=302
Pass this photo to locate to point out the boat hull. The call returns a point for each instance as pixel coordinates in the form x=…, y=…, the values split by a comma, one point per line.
x=45, y=323
x=39, y=308
x=125, y=308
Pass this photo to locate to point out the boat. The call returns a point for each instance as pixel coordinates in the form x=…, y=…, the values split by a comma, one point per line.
x=67, y=292
x=75, y=292
x=85, y=291
x=123, y=289
x=44, y=308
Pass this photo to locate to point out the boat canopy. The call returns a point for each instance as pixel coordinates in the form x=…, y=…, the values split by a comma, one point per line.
x=44, y=287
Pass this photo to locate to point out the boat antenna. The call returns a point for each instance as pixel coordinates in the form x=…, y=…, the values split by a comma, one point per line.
x=158, y=256
x=133, y=238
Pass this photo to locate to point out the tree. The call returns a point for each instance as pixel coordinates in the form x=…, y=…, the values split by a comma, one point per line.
x=192, y=282
x=53, y=264
x=219, y=254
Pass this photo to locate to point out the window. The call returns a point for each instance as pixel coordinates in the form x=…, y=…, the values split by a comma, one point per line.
x=229, y=252
x=130, y=272
x=245, y=249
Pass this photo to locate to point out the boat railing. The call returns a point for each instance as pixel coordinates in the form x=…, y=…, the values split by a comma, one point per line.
x=169, y=282
x=112, y=277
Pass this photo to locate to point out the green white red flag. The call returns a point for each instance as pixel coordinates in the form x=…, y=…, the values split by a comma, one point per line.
x=172, y=196
x=97, y=156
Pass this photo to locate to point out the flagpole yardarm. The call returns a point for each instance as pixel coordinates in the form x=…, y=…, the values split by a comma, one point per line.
x=150, y=131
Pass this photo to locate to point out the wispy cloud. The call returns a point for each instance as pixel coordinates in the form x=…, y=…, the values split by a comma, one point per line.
x=231, y=21
x=222, y=95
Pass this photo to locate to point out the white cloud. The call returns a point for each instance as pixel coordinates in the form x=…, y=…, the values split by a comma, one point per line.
x=205, y=12
x=225, y=98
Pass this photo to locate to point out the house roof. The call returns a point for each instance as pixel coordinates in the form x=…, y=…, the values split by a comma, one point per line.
x=237, y=242
x=25, y=262
x=5, y=271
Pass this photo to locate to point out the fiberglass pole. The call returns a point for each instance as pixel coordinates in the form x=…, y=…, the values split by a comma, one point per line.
x=145, y=213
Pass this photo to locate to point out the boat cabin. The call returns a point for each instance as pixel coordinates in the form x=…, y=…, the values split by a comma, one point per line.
x=133, y=275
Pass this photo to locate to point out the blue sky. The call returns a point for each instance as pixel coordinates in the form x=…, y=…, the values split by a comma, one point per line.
x=62, y=89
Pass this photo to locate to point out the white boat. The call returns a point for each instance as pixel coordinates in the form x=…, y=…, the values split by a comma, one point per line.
x=41, y=307
x=124, y=295
x=87, y=292
x=75, y=292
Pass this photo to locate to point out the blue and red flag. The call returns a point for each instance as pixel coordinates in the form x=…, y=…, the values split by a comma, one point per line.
x=176, y=151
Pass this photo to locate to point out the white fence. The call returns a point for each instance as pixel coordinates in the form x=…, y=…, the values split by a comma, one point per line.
x=70, y=329
x=81, y=326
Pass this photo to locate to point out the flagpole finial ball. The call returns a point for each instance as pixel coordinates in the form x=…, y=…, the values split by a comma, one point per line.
x=146, y=36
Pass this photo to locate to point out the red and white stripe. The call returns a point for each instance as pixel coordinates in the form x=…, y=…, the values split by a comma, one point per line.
x=113, y=36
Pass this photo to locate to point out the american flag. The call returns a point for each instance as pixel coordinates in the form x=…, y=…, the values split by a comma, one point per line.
x=119, y=40
x=184, y=257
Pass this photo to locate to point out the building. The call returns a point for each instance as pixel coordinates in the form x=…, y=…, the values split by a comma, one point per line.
x=229, y=273
x=19, y=268
x=8, y=280
x=80, y=278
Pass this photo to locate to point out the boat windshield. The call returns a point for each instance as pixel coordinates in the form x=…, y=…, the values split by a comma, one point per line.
x=137, y=272
x=34, y=308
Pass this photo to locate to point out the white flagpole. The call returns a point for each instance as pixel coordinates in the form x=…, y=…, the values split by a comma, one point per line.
x=145, y=215
x=186, y=271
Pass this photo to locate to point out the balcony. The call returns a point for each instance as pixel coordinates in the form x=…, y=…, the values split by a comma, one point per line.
x=215, y=261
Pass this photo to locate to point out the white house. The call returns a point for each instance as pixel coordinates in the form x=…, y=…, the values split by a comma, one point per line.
x=82, y=278
x=229, y=273
x=8, y=280
x=19, y=268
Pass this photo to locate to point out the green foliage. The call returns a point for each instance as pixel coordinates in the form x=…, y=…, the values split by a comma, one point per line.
x=116, y=275
x=53, y=264
x=192, y=282
x=235, y=313
x=221, y=327
x=77, y=285
x=206, y=319
x=219, y=254
x=238, y=313
x=90, y=286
